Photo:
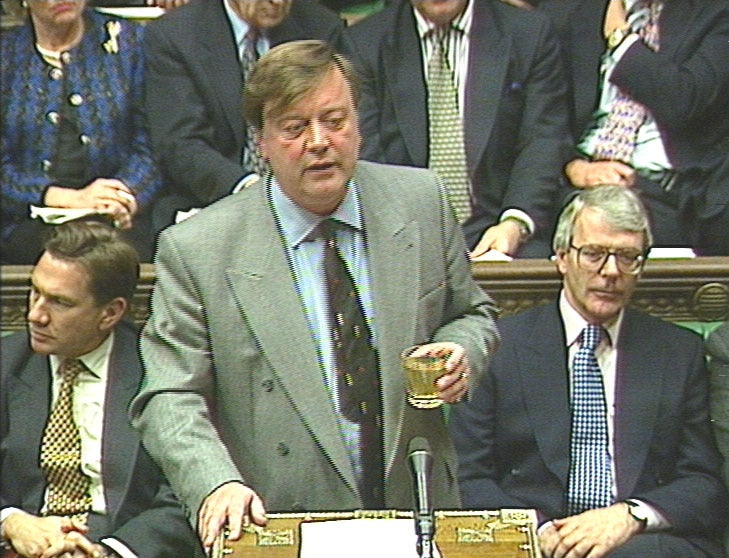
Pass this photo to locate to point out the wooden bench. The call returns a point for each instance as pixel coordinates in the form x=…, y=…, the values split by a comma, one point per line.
x=692, y=291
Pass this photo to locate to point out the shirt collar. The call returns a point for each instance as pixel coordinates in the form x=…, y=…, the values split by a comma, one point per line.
x=94, y=361
x=574, y=323
x=297, y=223
x=462, y=22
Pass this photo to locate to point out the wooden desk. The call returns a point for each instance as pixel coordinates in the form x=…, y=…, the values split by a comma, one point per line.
x=694, y=290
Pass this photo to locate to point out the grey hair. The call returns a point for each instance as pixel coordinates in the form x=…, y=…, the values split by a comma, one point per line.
x=620, y=207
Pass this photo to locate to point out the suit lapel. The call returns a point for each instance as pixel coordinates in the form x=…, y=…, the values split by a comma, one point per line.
x=29, y=405
x=543, y=373
x=489, y=55
x=393, y=251
x=120, y=443
x=403, y=63
x=639, y=372
x=220, y=59
x=261, y=284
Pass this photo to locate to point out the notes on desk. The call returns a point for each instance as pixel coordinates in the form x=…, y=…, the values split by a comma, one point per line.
x=362, y=538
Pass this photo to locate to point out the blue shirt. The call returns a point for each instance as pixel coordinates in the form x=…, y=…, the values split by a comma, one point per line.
x=306, y=259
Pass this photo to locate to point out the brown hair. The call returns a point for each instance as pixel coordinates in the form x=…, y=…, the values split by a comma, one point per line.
x=111, y=262
x=289, y=71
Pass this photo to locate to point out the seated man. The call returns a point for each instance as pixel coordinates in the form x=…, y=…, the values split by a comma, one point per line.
x=198, y=57
x=66, y=385
x=717, y=347
x=596, y=414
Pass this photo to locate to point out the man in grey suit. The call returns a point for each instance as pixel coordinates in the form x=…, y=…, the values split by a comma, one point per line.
x=195, y=83
x=647, y=435
x=240, y=405
x=717, y=347
x=80, y=289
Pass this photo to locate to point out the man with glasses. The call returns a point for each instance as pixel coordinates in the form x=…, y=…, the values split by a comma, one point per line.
x=593, y=413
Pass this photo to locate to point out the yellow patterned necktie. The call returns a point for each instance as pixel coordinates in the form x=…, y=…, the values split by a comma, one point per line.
x=68, y=487
x=447, y=152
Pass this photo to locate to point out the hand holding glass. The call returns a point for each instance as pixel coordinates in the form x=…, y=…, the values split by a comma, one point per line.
x=421, y=373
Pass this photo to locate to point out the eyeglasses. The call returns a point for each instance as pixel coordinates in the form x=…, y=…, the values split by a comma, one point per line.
x=592, y=257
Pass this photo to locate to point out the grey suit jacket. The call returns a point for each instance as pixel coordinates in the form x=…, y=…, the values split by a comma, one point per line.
x=717, y=347
x=513, y=436
x=141, y=509
x=194, y=94
x=233, y=387
x=515, y=114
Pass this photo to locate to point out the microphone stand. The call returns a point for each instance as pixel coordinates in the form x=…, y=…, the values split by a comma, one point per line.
x=421, y=463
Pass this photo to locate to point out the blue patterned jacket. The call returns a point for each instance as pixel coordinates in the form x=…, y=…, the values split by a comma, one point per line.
x=106, y=90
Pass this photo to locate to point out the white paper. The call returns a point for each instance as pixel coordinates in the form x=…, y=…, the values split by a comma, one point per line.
x=59, y=215
x=670, y=253
x=360, y=538
x=492, y=256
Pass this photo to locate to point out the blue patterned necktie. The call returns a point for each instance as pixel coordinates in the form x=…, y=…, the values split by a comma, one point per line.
x=590, y=481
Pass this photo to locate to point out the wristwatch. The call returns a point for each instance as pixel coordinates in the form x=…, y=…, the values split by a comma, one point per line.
x=617, y=36
x=637, y=511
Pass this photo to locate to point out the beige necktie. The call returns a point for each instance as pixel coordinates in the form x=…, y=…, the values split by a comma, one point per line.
x=68, y=487
x=447, y=153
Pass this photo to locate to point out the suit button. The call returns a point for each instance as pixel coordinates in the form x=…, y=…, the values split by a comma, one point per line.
x=66, y=57
x=46, y=165
x=76, y=100
x=267, y=385
x=55, y=74
x=282, y=449
x=84, y=139
x=53, y=117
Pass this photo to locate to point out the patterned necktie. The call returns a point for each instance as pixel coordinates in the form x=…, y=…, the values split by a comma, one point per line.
x=251, y=161
x=590, y=482
x=618, y=135
x=358, y=379
x=447, y=149
x=60, y=459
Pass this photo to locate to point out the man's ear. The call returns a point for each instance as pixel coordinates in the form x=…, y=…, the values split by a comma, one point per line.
x=560, y=260
x=112, y=313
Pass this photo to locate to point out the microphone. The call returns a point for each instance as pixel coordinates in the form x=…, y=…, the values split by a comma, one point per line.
x=421, y=464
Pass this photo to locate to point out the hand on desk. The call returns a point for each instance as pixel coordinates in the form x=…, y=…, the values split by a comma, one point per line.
x=48, y=537
x=232, y=504
x=594, y=533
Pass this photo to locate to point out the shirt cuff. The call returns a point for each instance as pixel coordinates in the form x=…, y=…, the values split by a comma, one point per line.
x=243, y=183
x=119, y=547
x=519, y=215
x=621, y=49
x=656, y=520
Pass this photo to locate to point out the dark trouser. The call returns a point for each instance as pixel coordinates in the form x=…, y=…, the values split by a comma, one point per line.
x=663, y=545
x=669, y=224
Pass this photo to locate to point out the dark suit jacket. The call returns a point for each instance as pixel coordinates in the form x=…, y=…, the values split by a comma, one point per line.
x=685, y=84
x=515, y=107
x=513, y=435
x=142, y=511
x=194, y=93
